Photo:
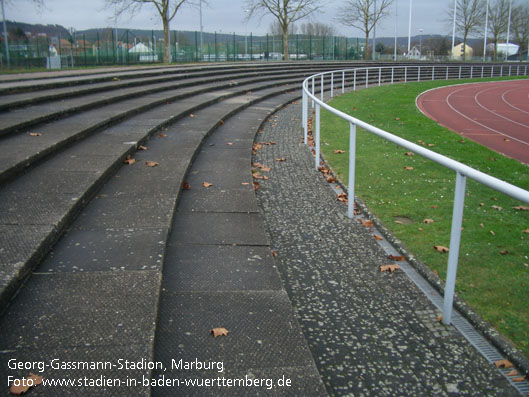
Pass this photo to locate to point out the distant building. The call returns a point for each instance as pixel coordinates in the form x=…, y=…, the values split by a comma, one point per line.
x=414, y=53
x=503, y=47
x=457, y=51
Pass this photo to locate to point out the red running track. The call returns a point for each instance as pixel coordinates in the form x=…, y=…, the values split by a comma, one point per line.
x=493, y=114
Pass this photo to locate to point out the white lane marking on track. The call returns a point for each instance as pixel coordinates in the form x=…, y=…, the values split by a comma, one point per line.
x=510, y=104
x=478, y=123
x=494, y=112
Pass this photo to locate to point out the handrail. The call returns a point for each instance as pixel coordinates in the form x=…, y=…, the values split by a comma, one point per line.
x=462, y=171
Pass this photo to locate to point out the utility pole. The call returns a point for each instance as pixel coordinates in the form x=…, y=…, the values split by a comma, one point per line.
x=6, y=45
x=396, y=19
x=409, y=30
x=374, y=29
x=508, y=30
x=486, y=32
x=454, y=31
x=201, y=30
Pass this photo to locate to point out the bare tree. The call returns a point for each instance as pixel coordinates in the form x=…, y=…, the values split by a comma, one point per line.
x=318, y=29
x=286, y=12
x=363, y=15
x=166, y=8
x=520, y=24
x=470, y=17
x=276, y=30
x=498, y=16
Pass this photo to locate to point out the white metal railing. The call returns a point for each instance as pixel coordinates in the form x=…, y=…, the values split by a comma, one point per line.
x=392, y=74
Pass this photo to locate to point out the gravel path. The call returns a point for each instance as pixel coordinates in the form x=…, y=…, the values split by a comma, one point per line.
x=370, y=333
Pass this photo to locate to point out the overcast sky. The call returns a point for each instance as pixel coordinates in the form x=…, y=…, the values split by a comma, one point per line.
x=223, y=16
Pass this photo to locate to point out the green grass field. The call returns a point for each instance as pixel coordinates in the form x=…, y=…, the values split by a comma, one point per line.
x=493, y=273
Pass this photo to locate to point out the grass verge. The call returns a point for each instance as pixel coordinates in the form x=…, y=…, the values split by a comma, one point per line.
x=493, y=273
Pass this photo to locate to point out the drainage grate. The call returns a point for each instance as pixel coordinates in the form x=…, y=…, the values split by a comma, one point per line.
x=459, y=322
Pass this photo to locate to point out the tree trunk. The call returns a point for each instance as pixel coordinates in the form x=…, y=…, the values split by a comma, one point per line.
x=465, y=47
x=285, y=43
x=166, y=44
x=366, y=49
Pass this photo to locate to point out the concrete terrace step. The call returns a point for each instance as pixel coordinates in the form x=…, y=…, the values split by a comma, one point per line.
x=38, y=220
x=105, y=272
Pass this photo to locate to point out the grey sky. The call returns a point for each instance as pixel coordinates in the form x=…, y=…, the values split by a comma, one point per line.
x=222, y=16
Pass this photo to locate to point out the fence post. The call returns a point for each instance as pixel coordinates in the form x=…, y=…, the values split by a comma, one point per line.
x=455, y=240
x=460, y=73
x=471, y=71
x=379, y=76
x=367, y=77
x=482, y=70
x=332, y=84
x=405, y=74
x=447, y=68
x=492, y=71
x=419, y=74
x=352, y=161
x=343, y=82
x=317, y=137
x=304, y=115
x=433, y=72
x=392, y=73
x=84, y=47
x=354, y=80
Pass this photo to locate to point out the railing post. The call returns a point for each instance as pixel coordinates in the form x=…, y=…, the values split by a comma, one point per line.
x=343, y=81
x=405, y=74
x=332, y=84
x=317, y=137
x=471, y=71
x=460, y=73
x=321, y=88
x=482, y=70
x=433, y=72
x=354, y=80
x=492, y=71
x=304, y=117
x=367, y=77
x=419, y=73
x=510, y=70
x=455, y=240
x=447, y=72
x=379, y=76
x=352, y=161
x=392, y=74
x=501, y=71
x=313, y=91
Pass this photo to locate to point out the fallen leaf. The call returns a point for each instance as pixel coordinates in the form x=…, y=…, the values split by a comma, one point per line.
x=152, y=164
x=408, y=168
x=192, y=115
x=409, y=153
x=399, y=222
x=25, y=384
x=280, y=159
x=331, y=179
x=245, y=183
x=162, y=135
x=366, y=223
x=229, y=143
x=427, y=220
x=186, y=186
x=504, y=252
x=435, y=272
x=492, y=232
x=441, y=248
x=512, y=373
x=274, y=253
x=389, y=268
x=399, y=258
x=377, y=237
x=37, y=380
x=141, y=147
x=397, y=118
x=219, y=332
x=420, y=229
x=507, y=140
x=434, y=206
x=482, y=225
x=338, y=151
x=440, y=317
x=520, y=379
x=526, y=231
x=129, y=160
x=35, y=134
x=256, y=185
x=343, y=197
x=431, y=144
x=521, y=208
x=503, y=364
x=221, y=122
x=496, y=207
x=207, y=184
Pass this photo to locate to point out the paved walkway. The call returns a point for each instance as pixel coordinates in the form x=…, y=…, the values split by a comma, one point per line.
x=370, y=333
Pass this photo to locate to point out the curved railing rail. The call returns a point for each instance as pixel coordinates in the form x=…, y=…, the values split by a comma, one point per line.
x=393, y=74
